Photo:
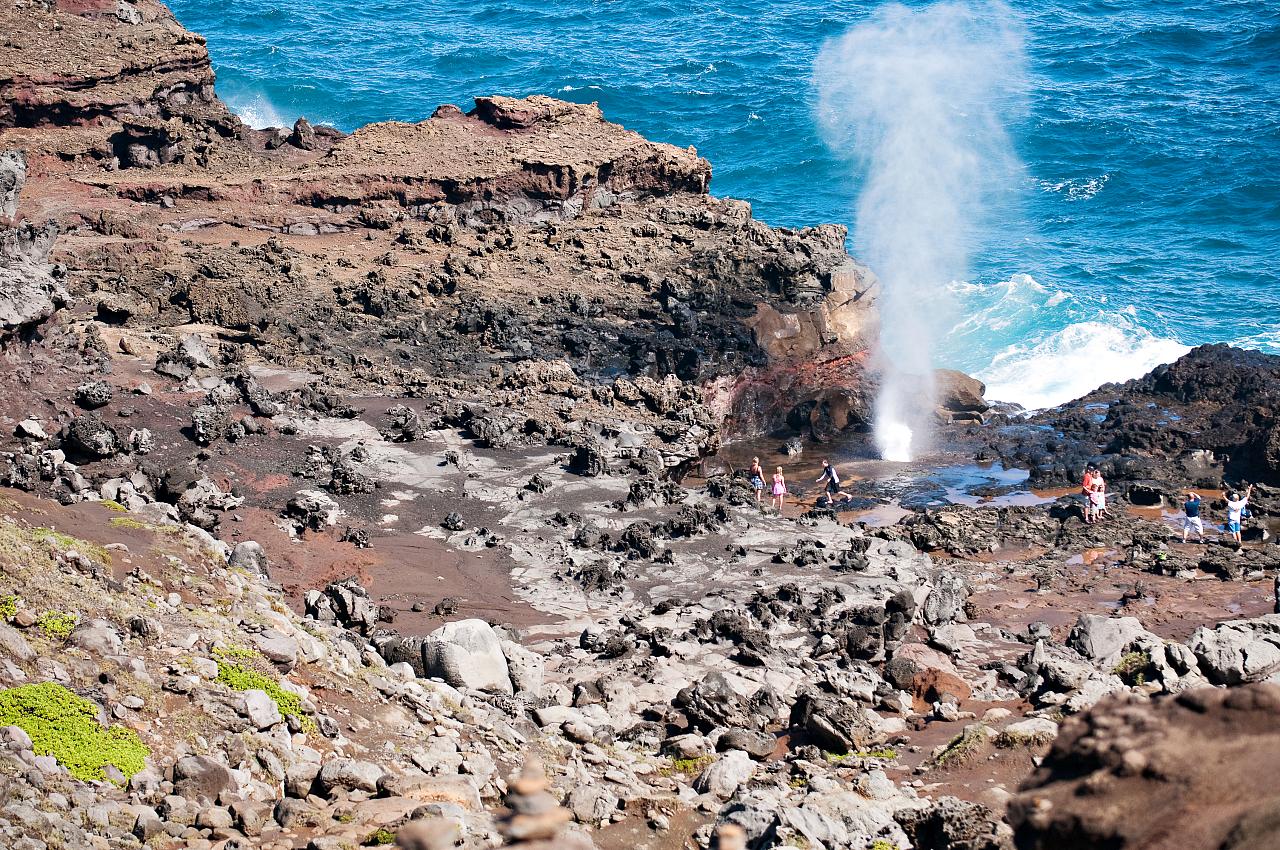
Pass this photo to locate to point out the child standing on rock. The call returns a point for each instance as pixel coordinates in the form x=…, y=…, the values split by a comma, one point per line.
x=1086, y=489
x=1098, y=496
x=779, y=490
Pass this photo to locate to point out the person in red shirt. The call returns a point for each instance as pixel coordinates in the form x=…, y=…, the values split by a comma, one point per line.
x=1086, y=488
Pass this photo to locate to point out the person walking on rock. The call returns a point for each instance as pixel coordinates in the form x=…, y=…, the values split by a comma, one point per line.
x=1191, y=517
x=779, y=490
x=832, y=479
x=1235, y=512
x=757, y=478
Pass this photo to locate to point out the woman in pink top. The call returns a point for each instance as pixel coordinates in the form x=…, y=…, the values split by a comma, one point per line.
x=779, y=490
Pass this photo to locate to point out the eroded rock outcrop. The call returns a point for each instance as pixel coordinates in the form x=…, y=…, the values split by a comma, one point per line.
x=1134, y=774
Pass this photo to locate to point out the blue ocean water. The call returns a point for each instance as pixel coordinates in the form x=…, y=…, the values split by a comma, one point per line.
x=1146, y=215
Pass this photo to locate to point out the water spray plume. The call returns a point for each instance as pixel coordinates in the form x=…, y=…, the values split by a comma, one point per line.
x=918, y=99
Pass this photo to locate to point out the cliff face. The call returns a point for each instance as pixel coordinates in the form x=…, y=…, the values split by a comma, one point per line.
x=404, y=254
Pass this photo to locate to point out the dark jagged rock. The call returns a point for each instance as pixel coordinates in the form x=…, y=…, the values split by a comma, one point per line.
x=1207, y=416
x=90, y=437
x=834, y=725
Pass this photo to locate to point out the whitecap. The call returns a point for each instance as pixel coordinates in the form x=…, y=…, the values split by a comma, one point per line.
x=1076, y=188
x=1075, y=360
x=1268, y=341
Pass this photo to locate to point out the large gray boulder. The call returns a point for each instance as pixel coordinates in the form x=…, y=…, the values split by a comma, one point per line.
x=467, y=654
x=350, y=775
x=200, y=777
x=30, y=286
x=249, y=555
x=726, y=775
x=13, y=173
x=1106, y=639
x=1239, y=651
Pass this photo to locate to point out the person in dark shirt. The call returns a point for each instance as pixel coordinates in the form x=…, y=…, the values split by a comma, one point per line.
x=1191, y=517
x=832, y=479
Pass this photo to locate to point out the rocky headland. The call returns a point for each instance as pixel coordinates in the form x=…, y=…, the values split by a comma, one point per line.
x=387, y=488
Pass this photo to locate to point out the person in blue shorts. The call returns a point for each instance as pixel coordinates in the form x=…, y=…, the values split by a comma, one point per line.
x=1235, y=511
x=757, y=478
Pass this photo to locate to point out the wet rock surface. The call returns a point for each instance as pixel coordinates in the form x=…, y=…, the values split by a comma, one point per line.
x=464, y=389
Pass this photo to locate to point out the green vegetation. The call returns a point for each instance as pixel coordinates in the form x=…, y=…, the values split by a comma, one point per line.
x=66, y=727
x=886, y=753
x=883, y=844
x=65, y=542
x=381, y=837
x=129, y=522
x=690, y=766
x=243, y=669
x=113, y=505
x=56, y=624
x=963, y=747
x=8, y=607
x=1132, y=667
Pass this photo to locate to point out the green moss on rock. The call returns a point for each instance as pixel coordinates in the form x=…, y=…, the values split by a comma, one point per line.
x=56, y=624
x=66, y=727
x=238, y=671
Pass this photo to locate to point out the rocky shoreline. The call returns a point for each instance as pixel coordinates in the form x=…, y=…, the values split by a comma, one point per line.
x=385, y=488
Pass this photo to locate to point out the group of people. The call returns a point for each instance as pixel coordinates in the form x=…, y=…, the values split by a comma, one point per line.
x=778, y=489
x=1094, y=490
x=1237, y=510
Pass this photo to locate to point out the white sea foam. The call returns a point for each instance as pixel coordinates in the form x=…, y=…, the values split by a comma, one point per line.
x=257, y=111
x=1077, y=188
x=1075, y=360
x=1268, y=341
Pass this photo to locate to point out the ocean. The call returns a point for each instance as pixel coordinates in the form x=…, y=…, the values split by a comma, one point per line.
x=1143, y=216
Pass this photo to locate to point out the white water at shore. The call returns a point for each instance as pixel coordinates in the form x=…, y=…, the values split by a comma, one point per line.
x=1051, y=345
x=1074, y=361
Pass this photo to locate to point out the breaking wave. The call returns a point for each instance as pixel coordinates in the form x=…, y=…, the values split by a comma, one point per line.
x=257, y=111
x=1045, y=346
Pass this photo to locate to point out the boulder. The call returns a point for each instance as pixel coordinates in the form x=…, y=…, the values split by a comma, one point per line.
x=1239, y=651
x=467, y=654
x=96, y=637
x=1105, y=639
x=89, y=436
x=350, y=775
x=723, y=777
x=835, y=725
x=260, y=709
x=201, y=778
x=1191, y=770
x=249, y=555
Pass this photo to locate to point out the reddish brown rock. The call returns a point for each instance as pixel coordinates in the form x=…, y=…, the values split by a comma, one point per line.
x=1191, y=771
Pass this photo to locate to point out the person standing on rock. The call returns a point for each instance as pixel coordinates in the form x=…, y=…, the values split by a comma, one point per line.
x=1098, y=496
x=1191, y=517
x=757, y=478
x=1235, y=512
x=779, y=490
x=1086, y=489
x=832, y=479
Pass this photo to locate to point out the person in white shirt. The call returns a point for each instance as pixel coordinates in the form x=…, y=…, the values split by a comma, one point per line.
x=1235, y=511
